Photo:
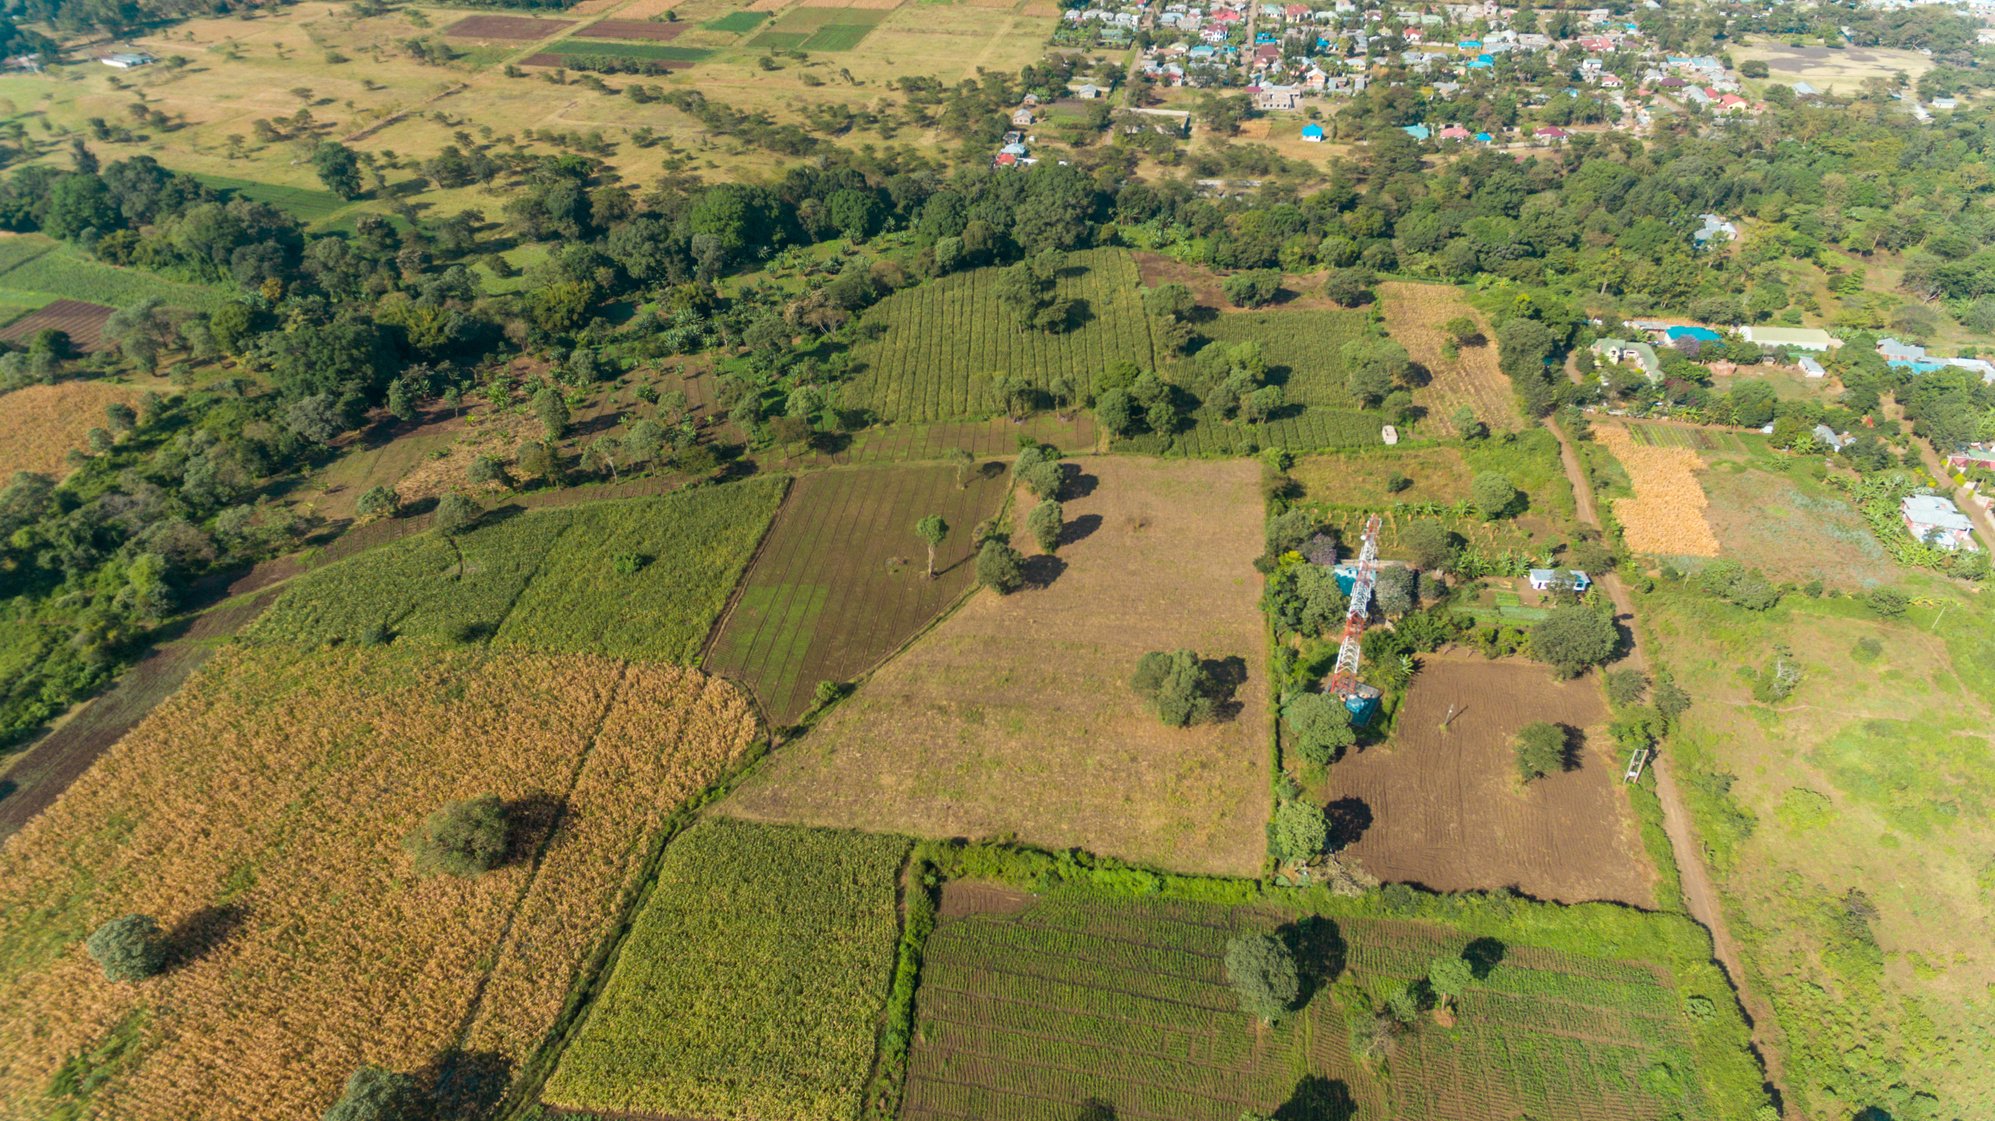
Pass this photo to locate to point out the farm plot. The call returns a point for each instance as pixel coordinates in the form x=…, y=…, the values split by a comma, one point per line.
x=1032, y=1008
x=82, y=323
x=1414, y=314
x=737, y=23
x=39, y=424
x=1665, y=516
x=841, y=581
x=258, y=816
x=524, y=29
x=1768, y=512
x=648, y=30
x=945, y=339
x=651, y=52
x=751, y=984
x=304, y=203
x=1011, y=716
x=1445, y=806
x=814, y=28
x=65, y=272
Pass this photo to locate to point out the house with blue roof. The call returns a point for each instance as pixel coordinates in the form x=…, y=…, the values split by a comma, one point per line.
x=1313, y=133
x=1417, y=132
x=1701, y=334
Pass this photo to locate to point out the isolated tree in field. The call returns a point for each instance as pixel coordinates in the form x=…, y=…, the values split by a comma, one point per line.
x=455, y=514
x=965, y=465
x=1541, y=750
x=1319, y=726
x=552, y=409
x=1466, y=423
x=373, y=1094
x=1432, y=544
x=1493, y=495
x=1252, y=288
x=1262, y=971
x=1177, y=685
x=1301, y=831
x=378, y=502
x=338, y=168
x=1573, y=638
x=1626, y=687
x=1000, y=567
x=123, y=417
x=1046, y=522
x=932, y=530
x=1449, y=977
x=128, y=948
x=1348, y=287
x=1040, y=470
x=1462, y=331
x=462, y=839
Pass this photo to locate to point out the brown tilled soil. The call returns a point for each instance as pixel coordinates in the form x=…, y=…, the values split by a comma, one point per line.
x=971, y=897
x=651, y=30
x=1014, y=716
x=1445, y=809
x=517, y=28
x=83, y=323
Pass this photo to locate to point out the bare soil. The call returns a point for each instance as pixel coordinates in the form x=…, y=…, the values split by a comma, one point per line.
x=517, y=28
x=649, y=30
x=971, y=897
x=83, y=323
x=1447, y=810
x=1013, y=718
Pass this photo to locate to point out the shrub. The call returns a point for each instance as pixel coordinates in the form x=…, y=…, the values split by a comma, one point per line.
x=1262, y=971
x=455, y=514
x=1301, y=831
x=1889, y=603
x=1253, y=288
x=129, y=948
x=1348, y=287
x=627, y=564
x=461, y=839
x=1572, y=638
x=1494, y=495
x=1541, y=749
x=1626, y=687
x=379, y=502
x=373, y=1094
x=1000, y=567
x=1320, y=726
x=1046, y=522
x=1432, y=544
x=1178, y=686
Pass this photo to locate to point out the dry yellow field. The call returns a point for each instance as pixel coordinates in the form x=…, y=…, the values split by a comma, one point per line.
x=258, y=816
x=1414, y=314
x=39, y=424
x=1666, y=514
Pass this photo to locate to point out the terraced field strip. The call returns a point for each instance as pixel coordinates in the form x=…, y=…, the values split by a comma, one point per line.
x=840, y=582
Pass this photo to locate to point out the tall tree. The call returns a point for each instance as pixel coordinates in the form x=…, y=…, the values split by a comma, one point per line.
x=932, y=530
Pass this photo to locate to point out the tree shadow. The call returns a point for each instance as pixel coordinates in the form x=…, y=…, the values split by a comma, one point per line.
x=1573, y=751
x=1075, y=483
x=467, y=1085
x=529, y=822
x=829, y=443
x=1483, y=956
x=202, y=933
x=595, y=425
x=1095, y=1109
x=1417, y=376
x=7, y=787
x=1041, y=570
x=1348, y=819
x=1318, y=946
x=1317, y=1098
x=990, y=470
x=1079, y=529
x=1226, y=675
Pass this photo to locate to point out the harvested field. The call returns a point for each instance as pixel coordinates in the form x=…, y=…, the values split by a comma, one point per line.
x=523, y=29
x=1414, y=314
x=1445, y=809
x=547, y=58
x=650, y=30
x=1034, y=1008
x=841, y=582
x=83, y=323
x=1666, y=514
x=259, y=815
x=1011, y=716
x=39, y=424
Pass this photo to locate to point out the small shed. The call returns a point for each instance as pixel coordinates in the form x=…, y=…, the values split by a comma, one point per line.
x=1543, y=579
x=1389, y=434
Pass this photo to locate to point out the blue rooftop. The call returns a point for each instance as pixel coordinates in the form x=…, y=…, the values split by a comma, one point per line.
x=1313, y=131
x=1701, y=334
x=1417, y=132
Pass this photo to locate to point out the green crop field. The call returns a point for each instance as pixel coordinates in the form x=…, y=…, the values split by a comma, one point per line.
x=837, y=37
x=1031, y=1007
x=1308, y=428
x=303, y=203
x=65, y=272
x=689, y=549
x=736, y=23
x=654, y=51
x=944, y=339
x=751, y=984
x=17, y=249
x=1303, y=349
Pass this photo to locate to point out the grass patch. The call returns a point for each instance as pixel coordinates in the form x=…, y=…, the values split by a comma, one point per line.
x=780, y=40
x=66, y=272
x=304, y=203
x=736, y=23
x=837, y=37
x=657, y=52
x=751, y=984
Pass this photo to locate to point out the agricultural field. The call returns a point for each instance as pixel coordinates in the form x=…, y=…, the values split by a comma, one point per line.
x=510, y=29
x=40, y=424
x=751, y=984
x=1034, y=1008
x=1848, y=827
x=259, y=816
x=64, y=272
x=81, y=323
x=1446, y=809
x=943, y=341
x=841, y=582
x=545, y=579
x=1012, y=717
x=813, y=28
x=1665, y=515
x=1414, y=314
x=1841, y=70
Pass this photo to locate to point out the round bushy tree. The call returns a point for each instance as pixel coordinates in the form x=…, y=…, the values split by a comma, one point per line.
x=373, y=1094
x=1320, y=726
x=1541, y=749
x=129, y=948
x=1177, y=686
x=1000, y=567
x=1262, y=971
x=1493, y=495
x=1572, y=638
x=455, y=514
x=1301, y=831
x=462, y=839
x=1046, y=521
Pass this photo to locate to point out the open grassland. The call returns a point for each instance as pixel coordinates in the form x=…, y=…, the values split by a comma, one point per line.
x=63, y=271
x=1012, y=716
x=1414, y=314
x=842, y=581
x=1443, y=807
x=39, y=424
x=259, y=814
x=751, y=984
x=1841, y=70
x=638, y=578
x=943, y=340
x=304, y=203
x=1032, y=1008
x=1873, y=778
x=1665, y=516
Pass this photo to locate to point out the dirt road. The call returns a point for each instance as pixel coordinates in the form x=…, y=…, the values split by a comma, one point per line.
x=1700, y=892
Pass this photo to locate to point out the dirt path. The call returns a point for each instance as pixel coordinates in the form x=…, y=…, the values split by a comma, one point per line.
x=1700, y=892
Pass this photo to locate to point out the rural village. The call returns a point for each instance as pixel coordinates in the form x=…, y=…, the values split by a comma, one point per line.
x=996, y=560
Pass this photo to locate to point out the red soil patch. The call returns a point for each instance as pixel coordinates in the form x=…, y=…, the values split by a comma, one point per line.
x=83, y=323
x=634, y=29
x=1445, y=808
x=519, y=28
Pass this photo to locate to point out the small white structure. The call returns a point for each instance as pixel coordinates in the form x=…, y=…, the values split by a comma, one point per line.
x=127, y=60
x=1793, y=338
x=1389, y=434
x=1812, y=368
x=1544, y=579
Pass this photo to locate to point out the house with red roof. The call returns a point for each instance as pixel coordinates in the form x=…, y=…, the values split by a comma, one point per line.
x=1550, y=134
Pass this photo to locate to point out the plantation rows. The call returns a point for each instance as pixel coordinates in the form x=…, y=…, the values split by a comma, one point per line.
x=945, y=339
x=1498, y=1075
x=1311, y=428
x=751, y=982
x=1304, y=350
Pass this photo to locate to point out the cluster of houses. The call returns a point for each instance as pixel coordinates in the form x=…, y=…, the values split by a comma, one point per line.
x=1911, y=356
x=1640, y=351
